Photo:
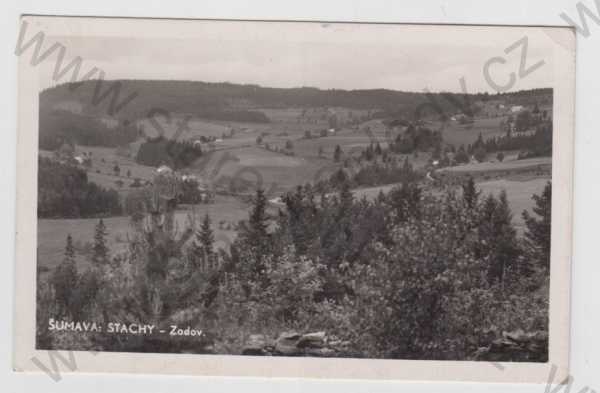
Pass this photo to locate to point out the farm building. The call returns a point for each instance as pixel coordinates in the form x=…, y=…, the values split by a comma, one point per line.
x=163, y=169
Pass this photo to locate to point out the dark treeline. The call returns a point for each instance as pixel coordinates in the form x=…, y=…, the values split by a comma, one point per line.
x=386, y=172
x=57, y=127
x=536, y=143
x=162, y=151
x=198, y=97
x=416, y=139
x=64, y=192
x=408, y=275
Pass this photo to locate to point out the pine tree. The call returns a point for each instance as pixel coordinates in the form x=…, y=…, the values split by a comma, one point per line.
x=206, y=237
x=461, y=155
x=337, y=154
x=254, y=242
x=64, y=280
x=258, y=216
x=507, y=247
x=100, y=255
x=369, y=152
x=498, y=238
x=538, y=231
x=346, y=198
x=69, y=251
x=335, y=241
x=470, y=193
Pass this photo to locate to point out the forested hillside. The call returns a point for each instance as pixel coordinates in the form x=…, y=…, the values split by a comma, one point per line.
x=64, y=192
x=228, y=101
x=57, y=127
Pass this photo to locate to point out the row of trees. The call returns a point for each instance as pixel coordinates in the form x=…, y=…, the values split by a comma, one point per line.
x=533, y=144
x=387, y=172
x=163, y=151
x=416, y=139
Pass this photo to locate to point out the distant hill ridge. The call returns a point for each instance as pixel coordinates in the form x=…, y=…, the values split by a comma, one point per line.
x=132, y=99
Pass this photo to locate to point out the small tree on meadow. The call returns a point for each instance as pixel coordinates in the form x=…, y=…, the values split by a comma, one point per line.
x=479, y=154
x=337, y=153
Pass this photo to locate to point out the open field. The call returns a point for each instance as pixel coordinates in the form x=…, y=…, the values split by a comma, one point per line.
x=52, y=233
x=168, y=127
x=352, y=143
x=461, y=134
x=276, y=171
x=102, y=171
x=240, y=150
x=104, y=160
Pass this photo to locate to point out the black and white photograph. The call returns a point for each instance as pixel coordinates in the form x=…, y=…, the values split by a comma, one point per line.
x=297, y=189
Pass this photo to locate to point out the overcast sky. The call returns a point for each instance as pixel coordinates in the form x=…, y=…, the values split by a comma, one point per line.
x=341, y=56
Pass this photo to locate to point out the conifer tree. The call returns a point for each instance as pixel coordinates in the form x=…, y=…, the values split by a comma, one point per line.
x=369, y=152
x=100, y=255
x=69, y=251
x=507, y=248
x=206, y=237
x=538, y=232
x=470, y=193
x=461, y=155
x=498, y=238
x=337, y=154
x=64, y=279
x=258, y=216
x=254, y=242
